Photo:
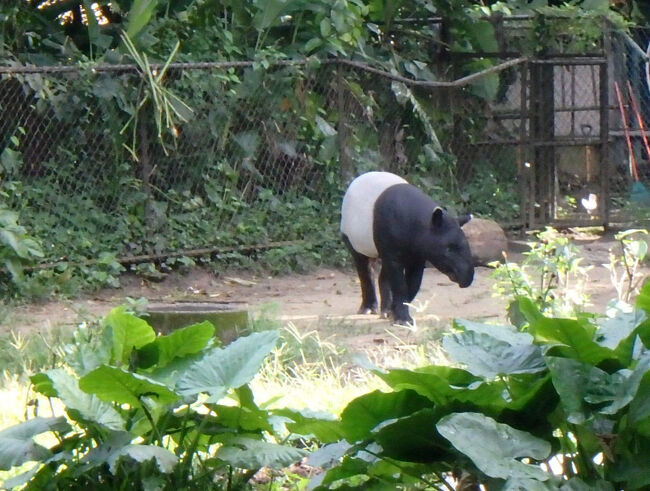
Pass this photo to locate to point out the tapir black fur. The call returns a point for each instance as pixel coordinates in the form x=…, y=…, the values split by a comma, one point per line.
x=384, y=217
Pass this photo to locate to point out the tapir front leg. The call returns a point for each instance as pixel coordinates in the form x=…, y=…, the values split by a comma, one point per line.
x=368, y=295
x=414, y=274
x=394, y=271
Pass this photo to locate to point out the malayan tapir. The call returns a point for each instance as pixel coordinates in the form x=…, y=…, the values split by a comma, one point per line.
x=383, y=216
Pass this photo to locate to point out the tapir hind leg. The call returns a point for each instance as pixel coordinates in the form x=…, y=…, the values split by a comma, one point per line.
x=368, y=295
x=386, y=294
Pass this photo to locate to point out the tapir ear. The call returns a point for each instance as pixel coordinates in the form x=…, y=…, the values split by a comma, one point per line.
x=436, y=217
x=463, y=219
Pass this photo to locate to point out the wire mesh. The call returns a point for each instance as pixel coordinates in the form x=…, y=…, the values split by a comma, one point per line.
x=96, y=164
x=91, y=171
x=629, y=113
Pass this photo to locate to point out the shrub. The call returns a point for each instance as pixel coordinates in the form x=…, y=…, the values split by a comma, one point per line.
x=561, y=405
x=150, y=412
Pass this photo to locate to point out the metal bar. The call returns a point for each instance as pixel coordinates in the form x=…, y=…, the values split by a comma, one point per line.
x=524, y=171
x=559, y=142
x=207, y=251
x=644, y=56
x=604, y=203
x=636, y=133
x=243, y=64
x=565, y=142
x=570, y=61
x=125, y=67
x=421, y=83
x=516, y=114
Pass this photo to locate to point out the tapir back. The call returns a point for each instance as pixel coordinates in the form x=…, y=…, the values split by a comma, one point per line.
x=357, y=210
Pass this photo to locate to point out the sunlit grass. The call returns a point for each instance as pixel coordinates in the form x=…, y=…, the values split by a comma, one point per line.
x=22, y=355
x=308, y=373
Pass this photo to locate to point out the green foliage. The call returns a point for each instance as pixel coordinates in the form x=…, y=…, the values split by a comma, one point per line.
x=136, y=412
x=624, y=266
x=17, y=248
x=163, y=160
x=550, y=274
x=562, y=405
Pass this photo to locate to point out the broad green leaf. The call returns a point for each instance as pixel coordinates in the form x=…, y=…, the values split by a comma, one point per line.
x=577, y=484
x=240, y=418
x=113, y=384
x=351, y=469
x=519, y=484
x=270, y=12
x=495, y=447
x=483, y=35
x=630, y=470
x=485, y=87
x=508, y=334
x=17, y=445
x=248, y=453
x=325, y=127
x=619, y=388
x=43, y=384
x=165, y=460
x=87, y=405
x=89, y=351
x=578, y=383
x=139, y=16
x=643, y=299
x=12, y=240
x=170, y=373
x=43, y=473
x=227, y=368
x=325, y=429
x=574, y=338
x=129, y=333
x=413, y=438
x=328, y=455
x=443, y=385
x=570, y=378
x=488, y=357
x=619, y=333
x=556, y=484
x=182, y=342
x=369, y=410
x=639, y=414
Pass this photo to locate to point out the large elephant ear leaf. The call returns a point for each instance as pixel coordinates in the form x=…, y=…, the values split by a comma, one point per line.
x=227, y=368
x=17, y=445
x=494, y=447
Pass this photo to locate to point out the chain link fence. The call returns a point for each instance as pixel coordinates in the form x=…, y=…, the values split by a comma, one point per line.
x=258, y=156
x=101, y=163
x=630, y=121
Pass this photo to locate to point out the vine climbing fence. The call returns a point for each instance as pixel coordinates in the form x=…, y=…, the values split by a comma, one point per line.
x=102, y=164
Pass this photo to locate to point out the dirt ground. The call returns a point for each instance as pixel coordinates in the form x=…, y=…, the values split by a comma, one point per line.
x=326, y=296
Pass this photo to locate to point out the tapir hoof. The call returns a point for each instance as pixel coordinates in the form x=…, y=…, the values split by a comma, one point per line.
x=408, y=322
x=386, y=314
x=367, y=310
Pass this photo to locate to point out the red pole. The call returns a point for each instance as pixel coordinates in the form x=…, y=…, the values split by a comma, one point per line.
x=633, y=168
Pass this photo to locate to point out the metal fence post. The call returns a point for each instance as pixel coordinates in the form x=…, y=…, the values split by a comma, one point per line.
x=526, y=198
x=145, y=170
x=543, y=131
x=604, y=203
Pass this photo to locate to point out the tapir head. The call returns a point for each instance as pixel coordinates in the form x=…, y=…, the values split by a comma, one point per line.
x=448, y=249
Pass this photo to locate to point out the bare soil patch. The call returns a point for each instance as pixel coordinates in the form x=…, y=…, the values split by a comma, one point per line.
x=324, y=299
